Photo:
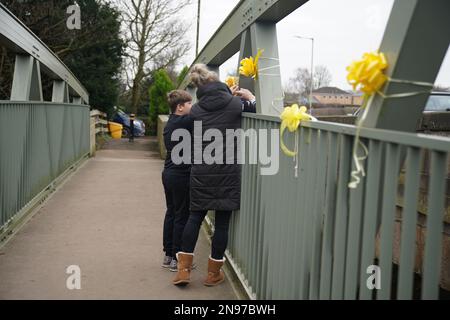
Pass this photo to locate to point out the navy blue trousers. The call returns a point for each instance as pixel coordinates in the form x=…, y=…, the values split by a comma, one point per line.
x=176, y=188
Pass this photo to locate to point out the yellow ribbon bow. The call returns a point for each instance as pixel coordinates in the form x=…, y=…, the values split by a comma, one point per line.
x=232, y=81
x=368, y=73
x=291, y=118
x=249, y=66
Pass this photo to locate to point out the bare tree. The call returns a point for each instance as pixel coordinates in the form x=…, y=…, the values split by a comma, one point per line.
x=322, y=77
x=441, y=88
x=300, y=83
x=156, y=39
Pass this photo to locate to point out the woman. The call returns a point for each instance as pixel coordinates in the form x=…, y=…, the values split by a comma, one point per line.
x=213, y=186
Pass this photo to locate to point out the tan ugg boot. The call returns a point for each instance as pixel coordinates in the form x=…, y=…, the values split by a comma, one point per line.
x=183, y=276
x=215, y=274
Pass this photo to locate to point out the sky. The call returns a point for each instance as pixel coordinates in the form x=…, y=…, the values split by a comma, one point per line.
x=342, y=30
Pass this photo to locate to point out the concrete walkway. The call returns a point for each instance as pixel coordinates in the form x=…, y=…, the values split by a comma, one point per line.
x=107, y=219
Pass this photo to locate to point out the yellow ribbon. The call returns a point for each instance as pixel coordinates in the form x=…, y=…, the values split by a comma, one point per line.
x=368, y=75
x=232, y=81
x=249, y=66
x=291, y=118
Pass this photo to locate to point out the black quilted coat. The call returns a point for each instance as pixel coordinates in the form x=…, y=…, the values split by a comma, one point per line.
x=216, y=186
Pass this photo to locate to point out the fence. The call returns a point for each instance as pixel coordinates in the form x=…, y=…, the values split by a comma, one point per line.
x=99, y=125
x=312, y=237
x=100, y=121
x=38, y=142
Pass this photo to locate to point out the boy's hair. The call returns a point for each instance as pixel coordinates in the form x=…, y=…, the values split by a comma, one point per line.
x=177, y=97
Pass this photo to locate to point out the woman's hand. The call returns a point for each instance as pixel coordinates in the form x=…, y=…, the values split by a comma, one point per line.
x=234, y=89
x=242, y=93
x=245, y=94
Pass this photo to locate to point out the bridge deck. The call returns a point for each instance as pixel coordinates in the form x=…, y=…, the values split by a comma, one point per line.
x=107, y=219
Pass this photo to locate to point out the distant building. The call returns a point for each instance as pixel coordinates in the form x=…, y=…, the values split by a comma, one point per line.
x=336, y=96
x=295, y=98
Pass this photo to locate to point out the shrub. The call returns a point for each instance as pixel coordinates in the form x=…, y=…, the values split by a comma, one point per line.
x=158, y=97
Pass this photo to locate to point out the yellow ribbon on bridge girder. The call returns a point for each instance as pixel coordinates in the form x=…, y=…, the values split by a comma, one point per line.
x=249, y=66
x=368, y=74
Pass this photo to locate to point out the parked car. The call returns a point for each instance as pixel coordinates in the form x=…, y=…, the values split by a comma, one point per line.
x=437, y=102
x=124, y=119
x=121, y=117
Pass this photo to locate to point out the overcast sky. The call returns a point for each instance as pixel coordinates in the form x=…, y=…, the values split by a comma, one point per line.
x=342, y=30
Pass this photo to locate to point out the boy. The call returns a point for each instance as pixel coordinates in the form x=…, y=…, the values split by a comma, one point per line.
x=175, y=178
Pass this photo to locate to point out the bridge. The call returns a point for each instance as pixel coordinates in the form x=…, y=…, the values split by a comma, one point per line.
x=297, y=236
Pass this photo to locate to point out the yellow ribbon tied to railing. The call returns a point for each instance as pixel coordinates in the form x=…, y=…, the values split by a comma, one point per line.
x=290, y=119
x=249, y=66
x=367, y=75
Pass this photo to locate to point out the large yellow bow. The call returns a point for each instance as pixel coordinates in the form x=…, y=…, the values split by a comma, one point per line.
x=291, y=118
x=249, y=66
x=368, y=73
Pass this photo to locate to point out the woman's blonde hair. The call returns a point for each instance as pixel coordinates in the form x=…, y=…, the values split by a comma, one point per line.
x=200, y=75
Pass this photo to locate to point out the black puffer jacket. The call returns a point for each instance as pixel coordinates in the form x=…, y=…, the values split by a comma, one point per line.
x=216, y=186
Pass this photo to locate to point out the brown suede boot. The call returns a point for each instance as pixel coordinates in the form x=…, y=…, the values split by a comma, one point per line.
x=215, y=274
x=183, y=276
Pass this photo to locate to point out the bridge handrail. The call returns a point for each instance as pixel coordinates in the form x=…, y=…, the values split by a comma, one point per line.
x=100, y=121
x=418, y=140
x=300, y=237
x=311, y=237
x=20, y=39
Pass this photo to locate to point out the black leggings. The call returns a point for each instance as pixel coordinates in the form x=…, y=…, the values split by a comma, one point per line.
x=220, y=238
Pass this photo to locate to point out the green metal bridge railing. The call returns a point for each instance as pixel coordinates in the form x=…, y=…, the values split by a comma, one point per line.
x=312, y=237
x=40, y=142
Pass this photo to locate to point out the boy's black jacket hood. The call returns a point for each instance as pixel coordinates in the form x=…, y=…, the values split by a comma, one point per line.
x=214, y=96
